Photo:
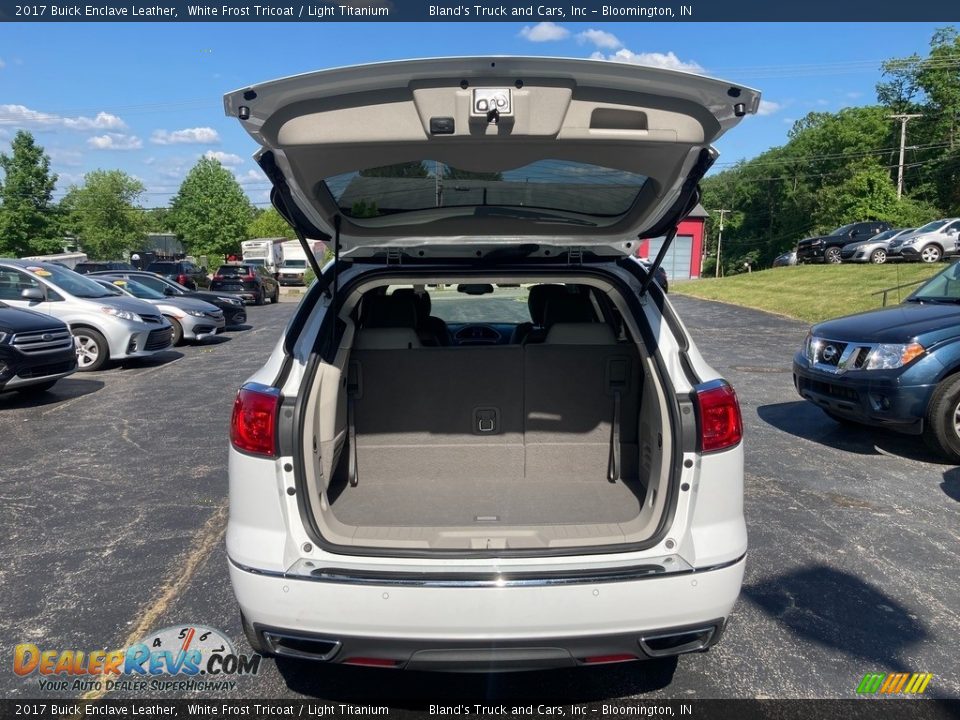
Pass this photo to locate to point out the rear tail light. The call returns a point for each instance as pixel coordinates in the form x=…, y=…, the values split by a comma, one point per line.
x=218, y=277
x=249, y=278
x=253, y=426
x=182, y=279
x=721, y=426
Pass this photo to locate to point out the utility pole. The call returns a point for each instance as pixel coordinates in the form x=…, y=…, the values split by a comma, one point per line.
x=904, y=119
x=438, y=182
x=719, y=240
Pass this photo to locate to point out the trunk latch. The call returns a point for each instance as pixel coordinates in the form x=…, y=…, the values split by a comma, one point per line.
x=486, y=421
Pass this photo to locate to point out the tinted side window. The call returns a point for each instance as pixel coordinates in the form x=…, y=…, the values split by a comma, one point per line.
x=152, y=283
x=13, y=282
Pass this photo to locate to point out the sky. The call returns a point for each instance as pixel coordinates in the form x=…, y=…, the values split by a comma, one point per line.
x=147, y=98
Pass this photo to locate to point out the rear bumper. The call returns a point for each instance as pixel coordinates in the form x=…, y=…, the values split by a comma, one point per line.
x=489, y=628
x=245, y=293
x=881, y=402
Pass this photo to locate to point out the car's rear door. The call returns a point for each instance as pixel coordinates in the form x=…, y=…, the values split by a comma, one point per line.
x=472, y=151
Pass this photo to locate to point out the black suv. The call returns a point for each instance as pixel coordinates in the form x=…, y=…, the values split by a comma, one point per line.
x=826, y=248
x=36, y=350
x=251, y=282
x=181, y=271
x=101, y=265
x=234, y=312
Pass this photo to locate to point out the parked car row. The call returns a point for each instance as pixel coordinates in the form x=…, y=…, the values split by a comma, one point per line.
x=55, y=321
x=878, y=242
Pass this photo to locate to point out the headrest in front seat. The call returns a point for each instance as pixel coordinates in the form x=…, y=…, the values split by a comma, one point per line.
x=421, y=301
x=537, y=300
x=389, y=311
x=568, y=308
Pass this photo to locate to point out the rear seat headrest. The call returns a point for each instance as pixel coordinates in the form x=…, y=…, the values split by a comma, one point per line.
x=568, y=308
x=588, y=333
x=389, y=311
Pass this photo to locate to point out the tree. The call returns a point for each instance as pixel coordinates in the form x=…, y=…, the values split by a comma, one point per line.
x=414, y=169
x=103, y=213
x=930, y=87
x=210, y=213
x=28, y=219
x=867, y=193
x=452, y=173
x=158, y=219
x=269, y=224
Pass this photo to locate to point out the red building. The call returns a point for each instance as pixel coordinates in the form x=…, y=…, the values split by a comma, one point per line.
x=685, y=256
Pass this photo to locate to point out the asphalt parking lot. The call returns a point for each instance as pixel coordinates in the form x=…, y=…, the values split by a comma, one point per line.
x=113, y=497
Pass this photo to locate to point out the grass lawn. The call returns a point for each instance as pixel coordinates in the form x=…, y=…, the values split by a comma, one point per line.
x=811, y=292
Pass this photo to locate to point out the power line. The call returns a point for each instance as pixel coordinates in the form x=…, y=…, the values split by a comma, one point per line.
x=800, y=159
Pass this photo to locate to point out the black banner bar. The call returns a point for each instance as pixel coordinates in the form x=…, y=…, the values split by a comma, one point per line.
x=873, y=708
x=591, y=11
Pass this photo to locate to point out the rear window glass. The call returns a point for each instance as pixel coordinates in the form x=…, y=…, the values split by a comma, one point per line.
x=559, y=185
x=163, y=267
x=506, y=305
x=234, y=270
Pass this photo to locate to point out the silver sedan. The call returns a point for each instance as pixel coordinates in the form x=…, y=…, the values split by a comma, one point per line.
x=191, y=319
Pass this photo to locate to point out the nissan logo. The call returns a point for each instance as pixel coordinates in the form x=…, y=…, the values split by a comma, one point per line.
x=830, y=353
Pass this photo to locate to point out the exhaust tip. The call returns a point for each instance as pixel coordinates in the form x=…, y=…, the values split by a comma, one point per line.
x=301, y=646
x=677, y=643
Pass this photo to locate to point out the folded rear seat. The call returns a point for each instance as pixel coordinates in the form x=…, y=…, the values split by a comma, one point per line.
x=581, y=396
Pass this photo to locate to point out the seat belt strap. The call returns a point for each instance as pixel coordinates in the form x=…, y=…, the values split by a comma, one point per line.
x=352, y=439
x=352, y=387
x=613, y=472
x=618, y=380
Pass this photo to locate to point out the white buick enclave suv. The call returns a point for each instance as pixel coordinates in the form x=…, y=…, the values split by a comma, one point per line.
x=485, y=440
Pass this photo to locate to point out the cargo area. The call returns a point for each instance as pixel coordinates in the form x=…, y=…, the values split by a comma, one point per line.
x=550, y=438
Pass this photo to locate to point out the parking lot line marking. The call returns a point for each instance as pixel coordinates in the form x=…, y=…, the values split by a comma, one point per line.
x=208, y=537
x=62, y=405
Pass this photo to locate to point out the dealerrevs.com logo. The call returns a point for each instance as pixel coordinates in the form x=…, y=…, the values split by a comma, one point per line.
x=204, y=657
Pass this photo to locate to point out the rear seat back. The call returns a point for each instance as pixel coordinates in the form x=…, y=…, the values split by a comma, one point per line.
x=515, y=412
x=413, y=407
x=570, y=405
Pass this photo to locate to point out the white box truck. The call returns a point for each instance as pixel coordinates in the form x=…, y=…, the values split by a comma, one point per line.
x=295, y=261
x=267, y=252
